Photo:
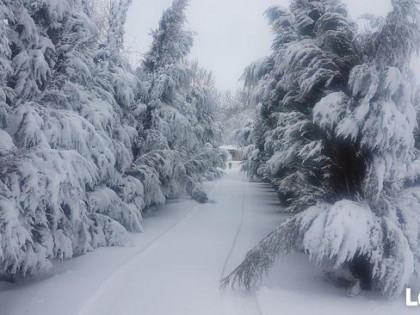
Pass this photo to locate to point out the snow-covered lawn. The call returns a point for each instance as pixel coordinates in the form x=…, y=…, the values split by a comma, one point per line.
x=175, y=266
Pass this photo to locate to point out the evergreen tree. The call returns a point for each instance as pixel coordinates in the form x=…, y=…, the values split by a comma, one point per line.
x=335, y=137
x=60, y=179
x=236, y=113
x=80, y=158
x=179, y=132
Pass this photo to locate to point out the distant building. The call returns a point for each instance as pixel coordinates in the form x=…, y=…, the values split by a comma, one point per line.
x=236, y=152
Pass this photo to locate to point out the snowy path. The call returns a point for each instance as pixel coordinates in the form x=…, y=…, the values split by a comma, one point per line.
x=180, y=273
x=174, y=268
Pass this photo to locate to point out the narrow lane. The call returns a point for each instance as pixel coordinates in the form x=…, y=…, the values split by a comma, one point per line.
x=174, y=267
x=180, y=273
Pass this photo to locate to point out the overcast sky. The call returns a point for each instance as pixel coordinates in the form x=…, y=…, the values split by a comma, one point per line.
x=230, y=33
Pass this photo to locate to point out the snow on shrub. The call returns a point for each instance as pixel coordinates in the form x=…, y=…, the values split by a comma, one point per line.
x=336, y=233
x=335, y=137
x=80, y=161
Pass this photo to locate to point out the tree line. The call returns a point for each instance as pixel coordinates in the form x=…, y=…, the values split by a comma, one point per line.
x=335, y=134
x=87, y=143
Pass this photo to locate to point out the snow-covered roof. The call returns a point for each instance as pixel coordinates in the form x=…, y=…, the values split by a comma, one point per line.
x=230, y=147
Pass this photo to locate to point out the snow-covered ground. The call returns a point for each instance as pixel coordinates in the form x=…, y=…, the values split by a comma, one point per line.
x=175, y=266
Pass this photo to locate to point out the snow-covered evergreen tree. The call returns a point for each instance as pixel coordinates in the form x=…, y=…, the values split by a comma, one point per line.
x=6, y=92
x=81, y=157
x=178, y=120
x=335, y=137
x=235, y=113
x=63, y=174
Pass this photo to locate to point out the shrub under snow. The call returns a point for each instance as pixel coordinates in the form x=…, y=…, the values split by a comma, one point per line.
x=79, y=163
x=335, y=137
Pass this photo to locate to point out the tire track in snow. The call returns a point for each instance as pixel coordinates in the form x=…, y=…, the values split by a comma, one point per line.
x=102, y=289
x=237, y=302
x=235, y=239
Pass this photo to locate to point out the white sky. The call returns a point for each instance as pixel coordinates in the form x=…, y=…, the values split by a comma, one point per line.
x=230, y=33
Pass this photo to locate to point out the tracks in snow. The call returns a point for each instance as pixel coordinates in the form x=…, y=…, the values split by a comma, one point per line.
x=238, y=302
x=174, y=267
x=231, y=302
x=235, y=239
x=101, y=291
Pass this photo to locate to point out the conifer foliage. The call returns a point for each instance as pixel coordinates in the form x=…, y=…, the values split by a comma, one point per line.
x=334, y=135
x=235, y=116
x=77, y=170
x=179, y=111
